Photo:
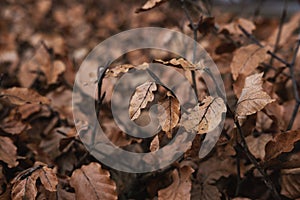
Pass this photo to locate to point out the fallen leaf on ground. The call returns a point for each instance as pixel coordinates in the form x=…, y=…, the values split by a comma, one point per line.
x=21, y=96
x=181, y=186
x=282, y=143
x=92, y=182
x=246, y=60
x=24, y=189
x=8, y=152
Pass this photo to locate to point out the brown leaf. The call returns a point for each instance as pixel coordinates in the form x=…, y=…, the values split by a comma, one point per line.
x=182, y=63
x=93, y=182
x=246, y=59
x=13, y=126
x=253, y=98
x=282, y=143
x=24, y=189
x=48, y=178
x=206, y=116
x=290, y=182
x=143, y=94
x=257, y=144
x=150, y=4
x=116, y=71
x=181, y=186
x=154, y=145
x=21, y=96
x=287, y=31
x=8, y=152
x=40, y=62
x=233, y=27
x=169, y=114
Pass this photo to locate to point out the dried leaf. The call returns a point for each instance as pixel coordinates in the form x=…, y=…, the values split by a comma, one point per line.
x=169, y=114
x=21, y=96
x=290, y=182
x=282, y=143
x=24, y=189
x=257, y=144
x=116, y=71
x=206, y=116
x=181, y=186
x=154, y=145
x=182, y=63
x=40, y=62
x=143, y=94
x=8, y=152
x=48, y=178
x=253, y=98
x=93, y=182
x=13, y=126
x=233, y=27
x=150, y=4
x=287, y=31
x=246, y=59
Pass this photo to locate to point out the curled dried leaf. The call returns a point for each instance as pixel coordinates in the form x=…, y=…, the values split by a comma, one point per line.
x=182, y=63
x=116, y=71
x=143, y=94
x=150, y=4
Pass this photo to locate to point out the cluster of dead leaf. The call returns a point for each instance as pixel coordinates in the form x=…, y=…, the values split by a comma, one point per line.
x=42, y=44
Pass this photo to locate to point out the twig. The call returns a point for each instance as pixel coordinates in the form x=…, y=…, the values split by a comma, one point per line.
x=278, y=36
x=295, y=86
x=238, y=169
x=195, y=31
x=244, y=147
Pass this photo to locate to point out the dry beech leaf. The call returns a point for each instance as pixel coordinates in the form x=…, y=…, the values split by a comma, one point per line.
x=290, y=183
x=246, y=60
x=287, y=31
x=24, y=189
x=48, y=178
x=14, y=126
x=282, y=143
x=8, y=152
x=253, y=98
x=169, y=112
x=93, y=182
x=181, y=186
x=182, y=63
x=143, y=94
x=154, y=145
x=233, y=27
x=116, y=71
x=21, y=96
x=257, y=144
x=150, y=4
x=206, y=116
x=40, y=62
